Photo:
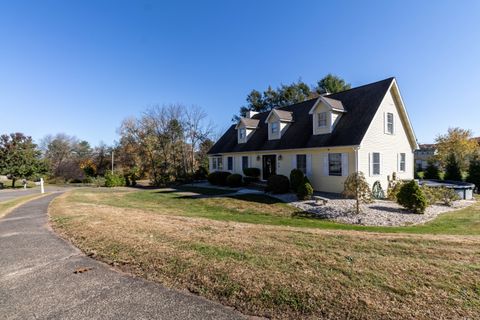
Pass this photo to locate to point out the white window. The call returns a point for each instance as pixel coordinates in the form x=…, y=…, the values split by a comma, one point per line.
x=274, y=127
x=401, y=165
x=322, y=119
x=335, y=164
x=217, y=163
x=376, y=163
x=302, y=163
x=242, y=132
x=390, y=127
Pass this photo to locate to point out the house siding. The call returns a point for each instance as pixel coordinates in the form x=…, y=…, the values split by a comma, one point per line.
x=319, y=179
x=388, y=145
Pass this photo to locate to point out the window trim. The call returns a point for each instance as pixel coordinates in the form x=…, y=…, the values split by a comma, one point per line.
x=336, y=174
x=388, y=123
x=402, y=161
x=274, y=125
x=374, y=163
x=319, y=119
x=242, y=133
x=217, y=163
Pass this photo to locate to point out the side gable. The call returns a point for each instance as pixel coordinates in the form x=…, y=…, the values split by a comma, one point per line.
x=392, y=97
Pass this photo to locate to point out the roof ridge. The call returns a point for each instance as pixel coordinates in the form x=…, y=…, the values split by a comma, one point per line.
x=359, y=87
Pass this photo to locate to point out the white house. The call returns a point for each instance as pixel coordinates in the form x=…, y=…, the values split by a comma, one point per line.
x=363, y=129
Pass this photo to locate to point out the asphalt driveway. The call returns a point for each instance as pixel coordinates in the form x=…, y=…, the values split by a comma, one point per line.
x=8, y=194
x=37, y=279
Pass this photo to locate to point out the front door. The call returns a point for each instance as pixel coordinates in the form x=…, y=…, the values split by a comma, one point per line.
x=269, y=166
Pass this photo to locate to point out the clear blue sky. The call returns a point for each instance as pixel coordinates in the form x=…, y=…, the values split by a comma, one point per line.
x=80, y=67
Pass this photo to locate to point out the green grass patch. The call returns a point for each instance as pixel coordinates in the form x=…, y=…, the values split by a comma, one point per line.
x=262, y=209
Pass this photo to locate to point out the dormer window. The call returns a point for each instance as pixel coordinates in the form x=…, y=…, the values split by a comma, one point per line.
x=274, y=127
x=245, y=128
x=322, y=119
x=242, y=133
x=326, y=113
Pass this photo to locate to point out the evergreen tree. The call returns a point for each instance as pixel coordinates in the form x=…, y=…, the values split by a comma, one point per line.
x=431, y=172
x=452, y=169
x=474, y=173
x=331, y=84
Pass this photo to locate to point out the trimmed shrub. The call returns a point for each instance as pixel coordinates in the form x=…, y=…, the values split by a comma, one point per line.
x=252, y=172
x=278, y=184
x=114, y=179
x=357, y=186
x=431, y=172
x=304, y=190
x=452, y=169
x=296, y=179
x=412, y=198
x=218, y=178
x=234, y=180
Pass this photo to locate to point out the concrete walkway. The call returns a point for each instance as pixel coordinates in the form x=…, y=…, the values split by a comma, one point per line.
x=37, y=280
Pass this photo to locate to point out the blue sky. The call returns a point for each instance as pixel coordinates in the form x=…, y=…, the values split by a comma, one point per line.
x=80, y=67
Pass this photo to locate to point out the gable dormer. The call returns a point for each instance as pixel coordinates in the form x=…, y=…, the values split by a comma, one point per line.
x=278, y=122
x=245, y=128
x=326, y=113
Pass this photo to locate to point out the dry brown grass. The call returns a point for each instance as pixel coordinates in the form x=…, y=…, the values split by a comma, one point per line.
x=283, y=272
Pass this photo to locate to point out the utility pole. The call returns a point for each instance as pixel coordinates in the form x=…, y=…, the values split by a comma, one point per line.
x=112, y=160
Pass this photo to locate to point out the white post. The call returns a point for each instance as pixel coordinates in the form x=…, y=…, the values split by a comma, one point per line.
x=42, y=190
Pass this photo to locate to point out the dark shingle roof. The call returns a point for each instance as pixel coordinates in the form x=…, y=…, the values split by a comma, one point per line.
x=249, y=123
x=284, y=115
x=361, y=104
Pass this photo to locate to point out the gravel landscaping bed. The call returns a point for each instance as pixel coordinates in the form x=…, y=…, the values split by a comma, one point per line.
x=378, y=213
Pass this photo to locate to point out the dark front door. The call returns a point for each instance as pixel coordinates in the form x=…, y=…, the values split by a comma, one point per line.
x=269, y=166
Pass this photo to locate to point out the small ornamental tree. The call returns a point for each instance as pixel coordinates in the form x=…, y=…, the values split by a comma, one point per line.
x=452, y=169
x=474, y=173
x=412, y=198
x=356, y=187
x=304, y=190
x=296, y=179
x=431, y=172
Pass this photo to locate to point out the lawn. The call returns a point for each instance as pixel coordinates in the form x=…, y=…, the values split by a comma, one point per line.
x=264, y=258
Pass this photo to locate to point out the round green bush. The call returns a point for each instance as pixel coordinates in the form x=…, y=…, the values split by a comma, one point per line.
x=304, y=190
x=251, y=172
x=412, y=198
x=278, y=184
x=296, y=179
x=234, y=180
x=218, y=178
x=114, y=179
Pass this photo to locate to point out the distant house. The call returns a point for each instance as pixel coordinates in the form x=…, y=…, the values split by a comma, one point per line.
x=363, y=129
x=424, y=155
